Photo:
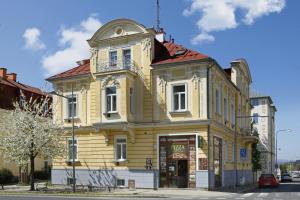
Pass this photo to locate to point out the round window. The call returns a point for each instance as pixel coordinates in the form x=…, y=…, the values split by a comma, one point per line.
x=119, y=31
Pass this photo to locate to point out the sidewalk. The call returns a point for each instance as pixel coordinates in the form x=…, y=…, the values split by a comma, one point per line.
x=160, y=193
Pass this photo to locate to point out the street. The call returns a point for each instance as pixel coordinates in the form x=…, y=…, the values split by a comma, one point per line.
x=286, y=191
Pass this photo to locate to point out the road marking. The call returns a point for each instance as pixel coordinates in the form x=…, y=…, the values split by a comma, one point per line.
x=247, y=195
x=203, y=198
x=263, y=194
x=221, y=198
x=239, y=198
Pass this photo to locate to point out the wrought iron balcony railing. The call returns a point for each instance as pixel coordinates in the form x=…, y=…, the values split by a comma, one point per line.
x=107, y=66
x=249, y=132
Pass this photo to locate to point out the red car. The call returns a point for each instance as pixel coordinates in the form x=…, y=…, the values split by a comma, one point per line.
x=268, y=180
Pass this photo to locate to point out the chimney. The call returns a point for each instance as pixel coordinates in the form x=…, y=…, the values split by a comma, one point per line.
x=12, y=77
x=160, y=35
x=3, y=72
x=82, y=62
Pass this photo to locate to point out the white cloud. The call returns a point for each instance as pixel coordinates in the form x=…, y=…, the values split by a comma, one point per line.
x=202, y=38
x=74, y=46
x=32, y=40
x=219, y=15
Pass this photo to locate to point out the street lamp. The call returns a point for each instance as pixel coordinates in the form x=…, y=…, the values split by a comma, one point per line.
x=282, y=130
x=73, y=134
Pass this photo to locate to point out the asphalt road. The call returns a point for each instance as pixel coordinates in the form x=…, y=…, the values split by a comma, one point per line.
x=286, y=191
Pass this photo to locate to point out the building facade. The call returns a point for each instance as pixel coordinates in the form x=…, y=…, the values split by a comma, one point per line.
x=263, y=113
x=12, y=91
x=153, y=113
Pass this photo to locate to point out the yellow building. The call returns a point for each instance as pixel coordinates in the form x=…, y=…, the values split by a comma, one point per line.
x=146, y=111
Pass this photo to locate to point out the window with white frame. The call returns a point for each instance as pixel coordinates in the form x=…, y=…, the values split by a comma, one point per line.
x=225, y=109
x=72, y=106
x=179, y=98
x=111, y=99
x=131, y=99
x=126, y=57
x=113, y=58
x=72, y=149
x=218, y=102
x=120, y=148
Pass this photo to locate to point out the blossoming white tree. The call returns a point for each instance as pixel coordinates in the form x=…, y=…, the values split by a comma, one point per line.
x=29, y=132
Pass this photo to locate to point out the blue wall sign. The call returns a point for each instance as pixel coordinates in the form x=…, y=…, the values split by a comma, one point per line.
x=243, y=153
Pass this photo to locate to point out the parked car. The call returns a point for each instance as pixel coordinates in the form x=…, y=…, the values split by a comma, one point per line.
x=296, y=175
x=286, y=177
x=268, y=180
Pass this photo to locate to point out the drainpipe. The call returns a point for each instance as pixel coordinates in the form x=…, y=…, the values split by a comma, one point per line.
x=208, y=126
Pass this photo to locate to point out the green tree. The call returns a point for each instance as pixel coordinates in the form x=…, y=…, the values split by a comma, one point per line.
x=255, y=158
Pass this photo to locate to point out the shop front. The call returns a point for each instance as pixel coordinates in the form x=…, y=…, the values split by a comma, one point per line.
x=177, y=161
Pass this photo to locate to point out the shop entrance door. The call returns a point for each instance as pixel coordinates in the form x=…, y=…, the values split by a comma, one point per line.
x=177, y=161
x=178, y=171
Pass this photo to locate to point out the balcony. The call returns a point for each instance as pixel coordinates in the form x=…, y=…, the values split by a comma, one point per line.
x=119, y=65
x=107, y=66
x=249, y=135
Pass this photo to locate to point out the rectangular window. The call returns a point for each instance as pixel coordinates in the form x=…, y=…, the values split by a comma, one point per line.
x=131, y=99
x=120, y=182
x=113, y=58
x=72, y=146
x=255, y=118
x=111, y=100
x=22, y=101
x=45, y=108
x=120, y=148
x=218, y=102
x=225, y=109
x=232, y=114
x=70, y=181
x=126, y=58
x=72, y=110
x=179, y=97
x=254, y=102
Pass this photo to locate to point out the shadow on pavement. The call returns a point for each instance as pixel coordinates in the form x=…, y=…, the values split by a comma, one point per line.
x=283, y=187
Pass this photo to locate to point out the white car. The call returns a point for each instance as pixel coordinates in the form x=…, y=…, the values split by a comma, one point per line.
x=286, y=178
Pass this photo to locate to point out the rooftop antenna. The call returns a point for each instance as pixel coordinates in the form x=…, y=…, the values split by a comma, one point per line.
x=157, y=16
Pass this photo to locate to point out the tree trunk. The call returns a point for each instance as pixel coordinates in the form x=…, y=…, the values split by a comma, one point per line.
x=32, y=173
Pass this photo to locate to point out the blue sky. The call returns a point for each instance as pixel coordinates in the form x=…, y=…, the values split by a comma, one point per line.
x=268, y=38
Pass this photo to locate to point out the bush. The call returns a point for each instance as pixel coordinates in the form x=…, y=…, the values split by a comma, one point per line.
x=6, y=177
x=41, y=175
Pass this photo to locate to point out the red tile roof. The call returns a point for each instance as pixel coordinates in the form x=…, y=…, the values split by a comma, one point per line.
x=165, y=53
x=21, y=86
x=170, y=52
x=83, y=68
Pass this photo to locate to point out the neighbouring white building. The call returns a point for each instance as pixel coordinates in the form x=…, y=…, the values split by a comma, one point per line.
x=264, y=121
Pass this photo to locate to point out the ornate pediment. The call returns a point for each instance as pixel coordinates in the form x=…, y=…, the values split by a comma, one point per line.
x=117, y=28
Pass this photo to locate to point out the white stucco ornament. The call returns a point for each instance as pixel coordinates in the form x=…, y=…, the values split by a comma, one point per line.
x=146, y=45
x=110, y=79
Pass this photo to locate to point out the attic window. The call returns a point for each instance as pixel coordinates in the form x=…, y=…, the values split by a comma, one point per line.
x=180, y=52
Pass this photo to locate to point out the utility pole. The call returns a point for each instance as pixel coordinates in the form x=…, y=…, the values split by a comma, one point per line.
x=73, y=141
x=73, y=134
